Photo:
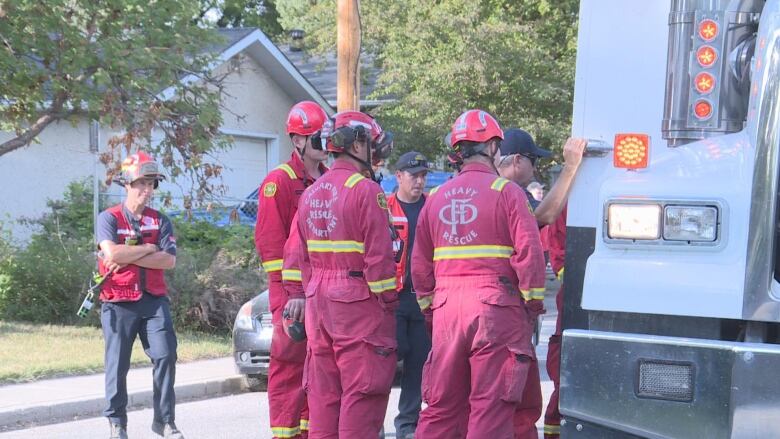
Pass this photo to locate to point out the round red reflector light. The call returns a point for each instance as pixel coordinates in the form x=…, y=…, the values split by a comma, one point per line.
x=706, y=55
x=704, y=82
x=708, y=30
x=702, y=109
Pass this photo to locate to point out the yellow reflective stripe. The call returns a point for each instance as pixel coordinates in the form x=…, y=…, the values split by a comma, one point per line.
x=380, y=286
x=533, y=294
x=286, y=168
x=273, y=265
x=552, y=429
x=433, y=191
x=353, y=180
x=472, y=252
x=294, y=275
x=325, y=246
x=425, y=302
x=499, y=183
x=560, y=274
x=304, y=424
x=284, y=432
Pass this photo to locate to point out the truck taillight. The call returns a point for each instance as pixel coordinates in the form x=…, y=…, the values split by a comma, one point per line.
x=631, y=151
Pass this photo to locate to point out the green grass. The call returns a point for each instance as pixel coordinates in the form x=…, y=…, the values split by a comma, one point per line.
x=30, y=352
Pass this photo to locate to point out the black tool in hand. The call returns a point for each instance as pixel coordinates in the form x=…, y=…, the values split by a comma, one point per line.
x=295, y=330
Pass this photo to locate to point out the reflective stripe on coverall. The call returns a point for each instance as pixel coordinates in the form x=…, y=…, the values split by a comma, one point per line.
x=277, y=203
x=348, y=272
x=557, y=240
x=477, y=256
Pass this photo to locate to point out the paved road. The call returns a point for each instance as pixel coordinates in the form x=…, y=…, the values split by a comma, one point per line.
x=238, y=416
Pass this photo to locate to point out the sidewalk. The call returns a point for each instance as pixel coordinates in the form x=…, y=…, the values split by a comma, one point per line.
x=48, y=401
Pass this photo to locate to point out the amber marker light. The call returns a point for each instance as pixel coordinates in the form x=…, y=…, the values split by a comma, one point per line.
x=706, y=55
x=631, y=151
x=708, y=30
x=704, y=82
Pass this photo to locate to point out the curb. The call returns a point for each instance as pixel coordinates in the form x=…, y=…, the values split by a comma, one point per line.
x=24, y=417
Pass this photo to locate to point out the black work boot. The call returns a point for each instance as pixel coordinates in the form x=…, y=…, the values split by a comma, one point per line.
x=117, y=431
x=167, y=430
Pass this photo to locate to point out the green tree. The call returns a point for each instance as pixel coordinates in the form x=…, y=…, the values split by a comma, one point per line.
x=111, y=61
x=242, y=13
x=514, y=59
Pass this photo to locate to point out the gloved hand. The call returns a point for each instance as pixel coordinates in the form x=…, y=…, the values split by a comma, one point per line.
x=535, y=308
x=389, y=301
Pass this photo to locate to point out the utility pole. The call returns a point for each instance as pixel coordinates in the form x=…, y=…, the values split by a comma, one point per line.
x=348, y=43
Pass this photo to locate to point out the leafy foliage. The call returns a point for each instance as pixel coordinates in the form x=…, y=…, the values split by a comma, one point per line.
x=216, y=268
x=514, y=59
x=242, y=13
x=110, y=61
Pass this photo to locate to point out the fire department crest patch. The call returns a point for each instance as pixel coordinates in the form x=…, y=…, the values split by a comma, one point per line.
x=269, y=190
x=381, y=200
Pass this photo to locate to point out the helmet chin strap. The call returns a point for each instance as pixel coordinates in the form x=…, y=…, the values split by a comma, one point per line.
x=491, y=159
x=366, y=164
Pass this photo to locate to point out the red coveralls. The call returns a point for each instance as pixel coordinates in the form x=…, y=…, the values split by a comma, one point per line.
x=277, y=203
x=557, y=239
x=349, y=280
x=476, y=257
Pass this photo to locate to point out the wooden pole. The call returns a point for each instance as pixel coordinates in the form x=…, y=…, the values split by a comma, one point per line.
x=348, y=42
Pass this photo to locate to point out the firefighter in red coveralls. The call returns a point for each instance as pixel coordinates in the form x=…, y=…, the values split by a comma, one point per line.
x=556, y=233
x=478, y=263
x=519, y=154
x=348, y=274
x=277, y=203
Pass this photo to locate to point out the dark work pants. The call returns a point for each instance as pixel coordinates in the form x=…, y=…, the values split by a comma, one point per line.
x=149, y=319
x=413, y=347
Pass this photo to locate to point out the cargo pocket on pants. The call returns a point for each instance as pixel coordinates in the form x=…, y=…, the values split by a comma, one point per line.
x=306, y=369
x=515, y=375
x=426, y=379
x=379, y=366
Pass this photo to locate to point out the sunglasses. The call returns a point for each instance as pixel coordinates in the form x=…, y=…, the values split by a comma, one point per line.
x=318, y=141
x=415, y=163
x=530, y=157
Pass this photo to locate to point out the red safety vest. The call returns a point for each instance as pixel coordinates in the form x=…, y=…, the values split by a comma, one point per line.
x=124, y=285
x=401, y=242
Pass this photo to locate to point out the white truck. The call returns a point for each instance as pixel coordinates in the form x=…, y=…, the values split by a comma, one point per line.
x=672, y=301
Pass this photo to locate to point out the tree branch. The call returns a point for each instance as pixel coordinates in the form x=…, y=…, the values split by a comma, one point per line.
x=24, y=139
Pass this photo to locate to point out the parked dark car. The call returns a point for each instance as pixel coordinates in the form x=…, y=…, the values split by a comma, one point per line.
x=252, y=333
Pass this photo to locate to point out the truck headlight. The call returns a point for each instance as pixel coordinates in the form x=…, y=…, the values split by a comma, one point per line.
x=634, y=221
x=690, y=223
x=244, y=319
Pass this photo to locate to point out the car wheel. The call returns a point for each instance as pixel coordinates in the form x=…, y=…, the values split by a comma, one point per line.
x=255, y=383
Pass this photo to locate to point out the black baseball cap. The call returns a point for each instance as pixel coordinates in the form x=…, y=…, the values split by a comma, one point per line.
x=412, y=162
x=517, y=141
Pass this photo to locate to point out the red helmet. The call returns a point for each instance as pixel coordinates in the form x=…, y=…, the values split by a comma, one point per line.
x=348, y=126
x=137, y=166
x=475, y=126
x=305, y=118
